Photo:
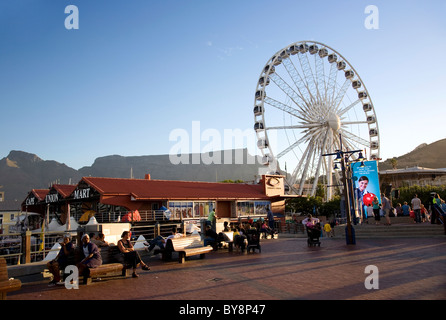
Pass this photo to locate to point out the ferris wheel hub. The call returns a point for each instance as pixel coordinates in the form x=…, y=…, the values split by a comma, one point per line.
x=334, y=121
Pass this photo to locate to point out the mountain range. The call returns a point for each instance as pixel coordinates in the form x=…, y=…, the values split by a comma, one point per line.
x=425, y=155
x=20, y=172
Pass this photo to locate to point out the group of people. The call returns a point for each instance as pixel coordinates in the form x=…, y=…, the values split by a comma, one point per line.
x=418, y=211
x=240, y=240
x=375, y=208
x=266, y=227
x=88, y=255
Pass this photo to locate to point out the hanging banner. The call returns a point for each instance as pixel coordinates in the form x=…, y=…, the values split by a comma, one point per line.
x=366, y=185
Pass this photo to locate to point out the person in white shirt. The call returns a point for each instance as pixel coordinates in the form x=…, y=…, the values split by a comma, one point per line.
x=160, y=241
x=416, y=207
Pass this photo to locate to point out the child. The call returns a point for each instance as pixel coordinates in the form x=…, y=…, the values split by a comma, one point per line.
x=327, y=229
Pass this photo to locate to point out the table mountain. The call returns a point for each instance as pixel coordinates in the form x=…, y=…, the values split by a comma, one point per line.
x=20, y=172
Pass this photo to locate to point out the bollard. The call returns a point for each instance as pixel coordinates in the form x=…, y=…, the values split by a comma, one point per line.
x=26, y=247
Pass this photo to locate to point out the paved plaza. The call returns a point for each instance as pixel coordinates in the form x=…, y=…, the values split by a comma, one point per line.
x=286, y=269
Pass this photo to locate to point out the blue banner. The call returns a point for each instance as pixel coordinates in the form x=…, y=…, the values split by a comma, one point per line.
x=366, y=185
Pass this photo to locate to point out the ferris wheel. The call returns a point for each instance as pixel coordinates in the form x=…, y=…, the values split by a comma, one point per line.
x=310, y=101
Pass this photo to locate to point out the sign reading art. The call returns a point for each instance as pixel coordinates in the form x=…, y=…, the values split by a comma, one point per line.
x=81, y=193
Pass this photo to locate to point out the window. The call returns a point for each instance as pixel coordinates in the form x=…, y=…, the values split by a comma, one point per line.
x=190, y=209
x=202, y=209
x=252, y=208
x=245, y=208
x=2, y=196
x=181, y=209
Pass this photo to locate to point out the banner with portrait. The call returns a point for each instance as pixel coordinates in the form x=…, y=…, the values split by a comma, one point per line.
x=365, y=181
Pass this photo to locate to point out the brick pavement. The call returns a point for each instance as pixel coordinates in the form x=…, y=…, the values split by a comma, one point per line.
x=286, y=269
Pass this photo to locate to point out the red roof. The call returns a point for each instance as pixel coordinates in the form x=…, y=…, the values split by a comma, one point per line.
x=144, y=189
x=40, y=194
x=64, y=190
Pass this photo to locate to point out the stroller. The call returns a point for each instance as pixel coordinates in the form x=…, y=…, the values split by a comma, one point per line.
x=253, y=237
x=313, y=236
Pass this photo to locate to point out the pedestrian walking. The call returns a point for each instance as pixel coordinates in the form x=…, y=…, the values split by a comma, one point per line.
x=416, y=207
x=386, y=208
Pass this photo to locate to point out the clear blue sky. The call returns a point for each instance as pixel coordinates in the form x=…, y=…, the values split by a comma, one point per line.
x=136, y=70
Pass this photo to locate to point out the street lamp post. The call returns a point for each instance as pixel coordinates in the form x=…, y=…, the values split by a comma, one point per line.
x=350, y=232
x=342, y=157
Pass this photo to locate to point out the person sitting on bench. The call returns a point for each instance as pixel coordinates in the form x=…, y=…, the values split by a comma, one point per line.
x=131, y=257
x=210, y=237
x=92, y=258
x=160, y=241
x=64, y=258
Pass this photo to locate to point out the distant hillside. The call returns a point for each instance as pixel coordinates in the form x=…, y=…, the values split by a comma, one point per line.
x=20, y=172
x=426, y=155
x=160, y=167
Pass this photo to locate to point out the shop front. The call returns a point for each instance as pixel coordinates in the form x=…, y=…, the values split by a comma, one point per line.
x=150, y=201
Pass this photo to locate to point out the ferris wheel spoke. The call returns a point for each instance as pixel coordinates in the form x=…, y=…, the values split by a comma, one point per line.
x=353, y=137
x=289, y=91
x=320, y=75
x=281, y=106
x=302, y=140
x=341, y=94
x=354, y=122
x=303, y=126
x=299, y=165
x=291, y=147
x=308, y=74
x=321, y=159
x=331, y=86
x=307, y=163
x=346, y=109
x=297, y=79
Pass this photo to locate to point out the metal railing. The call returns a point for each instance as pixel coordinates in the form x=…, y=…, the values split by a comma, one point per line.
x=11, y=248
x=35, y=246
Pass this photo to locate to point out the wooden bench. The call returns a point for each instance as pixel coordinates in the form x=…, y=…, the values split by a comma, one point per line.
x=7, y=285
x=185, y=246
x=111, y=265
x=109, y=269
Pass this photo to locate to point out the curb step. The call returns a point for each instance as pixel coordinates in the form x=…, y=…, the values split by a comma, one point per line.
x=393, y=231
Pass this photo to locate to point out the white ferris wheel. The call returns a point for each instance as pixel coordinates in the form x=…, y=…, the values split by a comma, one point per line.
x=310, y=101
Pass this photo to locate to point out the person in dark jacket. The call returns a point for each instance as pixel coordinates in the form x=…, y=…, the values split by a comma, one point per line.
x=64, y=258
x=92, y=257
x=210, y=237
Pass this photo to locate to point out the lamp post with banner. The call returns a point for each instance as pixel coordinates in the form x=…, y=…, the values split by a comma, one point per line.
x=343, y=159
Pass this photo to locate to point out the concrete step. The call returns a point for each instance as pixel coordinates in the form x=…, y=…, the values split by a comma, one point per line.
x=409, y=230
